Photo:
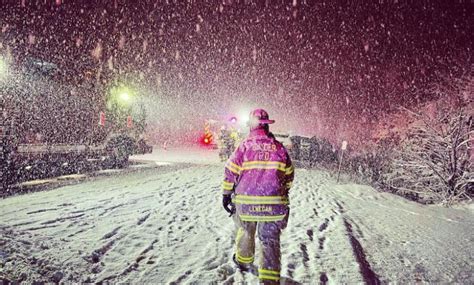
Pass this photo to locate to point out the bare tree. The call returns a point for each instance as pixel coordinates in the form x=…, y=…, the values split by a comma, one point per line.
x=434, y=161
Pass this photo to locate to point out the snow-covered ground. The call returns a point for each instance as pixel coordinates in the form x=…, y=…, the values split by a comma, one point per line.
x=166, y=225
x=192, y=154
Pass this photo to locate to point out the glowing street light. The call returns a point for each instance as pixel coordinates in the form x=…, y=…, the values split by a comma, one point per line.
x=124, y=96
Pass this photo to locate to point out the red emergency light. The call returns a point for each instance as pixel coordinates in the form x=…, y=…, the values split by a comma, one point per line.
x=206, y=139
x=101, y=119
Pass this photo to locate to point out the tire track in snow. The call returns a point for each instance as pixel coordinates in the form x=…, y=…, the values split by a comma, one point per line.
x=41, y=228
x=106, y=210
x=143, y=219
x=369, y=276
x=86, y=210
x=112, y=233
x=97, y=254
x=62, y=219
x=82, y=230
x=42, y=211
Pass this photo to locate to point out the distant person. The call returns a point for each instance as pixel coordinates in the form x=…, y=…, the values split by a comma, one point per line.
x=225, y=144
x=258, y=177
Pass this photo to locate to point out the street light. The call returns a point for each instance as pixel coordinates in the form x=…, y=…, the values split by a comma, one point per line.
x=122, y=95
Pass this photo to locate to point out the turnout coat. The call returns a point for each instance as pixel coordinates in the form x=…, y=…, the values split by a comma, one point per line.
x=259, y=175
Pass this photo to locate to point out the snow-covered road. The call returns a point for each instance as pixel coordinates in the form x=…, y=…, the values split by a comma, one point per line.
x=166, y=225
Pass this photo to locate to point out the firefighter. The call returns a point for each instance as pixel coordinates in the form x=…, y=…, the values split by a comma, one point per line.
x=235, y=136
x=225, y=143
x=258, y=177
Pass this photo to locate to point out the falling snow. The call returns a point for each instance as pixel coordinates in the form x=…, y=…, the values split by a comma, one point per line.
x=219, y=59
x=75, y=76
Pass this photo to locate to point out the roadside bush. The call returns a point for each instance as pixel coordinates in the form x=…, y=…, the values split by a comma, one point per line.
x=429, y=159
x=370, y=166
x=434, y=163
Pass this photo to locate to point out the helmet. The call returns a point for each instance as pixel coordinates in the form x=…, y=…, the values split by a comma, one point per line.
x=259, y=117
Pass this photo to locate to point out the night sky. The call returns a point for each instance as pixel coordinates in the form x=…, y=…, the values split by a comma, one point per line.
x=326, y=68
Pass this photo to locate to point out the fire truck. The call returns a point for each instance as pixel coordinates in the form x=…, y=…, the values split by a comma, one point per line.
x=51, y=125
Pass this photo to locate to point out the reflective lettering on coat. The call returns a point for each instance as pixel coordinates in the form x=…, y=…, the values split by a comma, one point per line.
x=264, y=147
x=261, y=208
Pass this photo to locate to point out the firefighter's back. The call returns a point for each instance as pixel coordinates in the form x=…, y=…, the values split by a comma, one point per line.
x=264, y=167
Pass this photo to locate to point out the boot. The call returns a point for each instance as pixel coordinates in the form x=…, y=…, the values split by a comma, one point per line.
x=242, y=267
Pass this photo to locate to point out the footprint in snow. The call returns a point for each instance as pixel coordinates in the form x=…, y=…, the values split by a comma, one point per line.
x=224, y=271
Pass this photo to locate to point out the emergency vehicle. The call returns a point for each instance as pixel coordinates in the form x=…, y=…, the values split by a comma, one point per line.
x=52, y=125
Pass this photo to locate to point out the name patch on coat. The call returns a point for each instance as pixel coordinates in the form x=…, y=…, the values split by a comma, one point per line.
x=261, y=208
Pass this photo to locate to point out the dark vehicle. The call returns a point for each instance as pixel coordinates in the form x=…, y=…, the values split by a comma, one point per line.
x=142, y=147
x=284, y=139
x=311, y=151
x=51, y=126
x=300, y=150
